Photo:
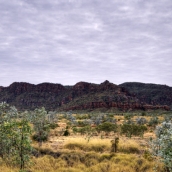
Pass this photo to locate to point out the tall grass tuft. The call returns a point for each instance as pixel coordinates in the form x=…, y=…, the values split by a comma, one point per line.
x=96, y=145
x=129, y=146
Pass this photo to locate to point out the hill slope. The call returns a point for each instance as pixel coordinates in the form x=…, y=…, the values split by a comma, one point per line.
x=87, y=96
x=150, y=93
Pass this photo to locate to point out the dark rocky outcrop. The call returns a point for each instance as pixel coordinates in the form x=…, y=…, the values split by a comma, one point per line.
x=87, y=96
x=152, y=94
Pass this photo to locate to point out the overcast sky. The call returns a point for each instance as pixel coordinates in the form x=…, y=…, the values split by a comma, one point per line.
x=67, y=41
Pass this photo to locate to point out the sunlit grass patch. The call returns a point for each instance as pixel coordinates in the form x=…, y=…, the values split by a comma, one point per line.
x=7, y=168
x=97, y=145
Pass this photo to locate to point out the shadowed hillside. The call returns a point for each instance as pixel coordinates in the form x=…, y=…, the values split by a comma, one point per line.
x=87, y=96
x=150, y=93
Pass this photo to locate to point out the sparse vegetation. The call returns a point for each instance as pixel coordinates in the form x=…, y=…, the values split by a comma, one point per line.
x=93, y=142
x=15, y=143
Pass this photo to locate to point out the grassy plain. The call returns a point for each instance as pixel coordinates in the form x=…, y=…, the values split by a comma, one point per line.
x=75, y=153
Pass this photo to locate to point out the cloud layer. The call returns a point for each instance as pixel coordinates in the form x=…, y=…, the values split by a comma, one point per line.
x=67, y=41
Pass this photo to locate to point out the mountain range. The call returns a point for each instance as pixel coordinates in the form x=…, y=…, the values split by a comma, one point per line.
x=128, y=96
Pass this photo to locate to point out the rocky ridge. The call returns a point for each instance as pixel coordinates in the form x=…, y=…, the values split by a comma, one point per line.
x=87, y=96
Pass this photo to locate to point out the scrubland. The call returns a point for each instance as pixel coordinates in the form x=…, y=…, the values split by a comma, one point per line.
x=76, y=154
x=84, y=142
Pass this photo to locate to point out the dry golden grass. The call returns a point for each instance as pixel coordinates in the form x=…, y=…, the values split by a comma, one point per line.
x=126, y=145
x=97, y=145
x=90, y=162
x=5, y=168
x=77, y=159
x=129, y=146
x=119, y=117
x=93, y=163
x=147, y=135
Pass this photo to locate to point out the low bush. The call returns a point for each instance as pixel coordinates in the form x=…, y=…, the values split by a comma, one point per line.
x=39, y=138
x=53, y=125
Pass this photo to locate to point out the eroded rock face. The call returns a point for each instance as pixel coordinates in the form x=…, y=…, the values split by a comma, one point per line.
x=30, y=96
x=118, y=105
x=82, y=96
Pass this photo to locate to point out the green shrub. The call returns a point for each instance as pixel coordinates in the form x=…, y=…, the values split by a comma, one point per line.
x=53, y=125
x=107, y=127
x=132, y=129
x=38, y=138
x=66, y=133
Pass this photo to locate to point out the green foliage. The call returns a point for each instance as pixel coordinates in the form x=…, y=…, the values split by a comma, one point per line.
x=15, y=143
x=53, y=125
x=75, y=130
x=39, y=138
x=81, y=124
x=41, y=125
x=81, y=117
x=127, y=116
x=66, y=133
x=147, y=155
x=153, y=122
x=23, y=143
x=136, y=130
x=82, y=130
x=143, y=114
x=162, y=146
x=107, y=127
x=111, y=115
x=128, y=119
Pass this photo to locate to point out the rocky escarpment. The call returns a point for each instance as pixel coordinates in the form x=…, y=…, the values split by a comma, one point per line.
x=152, y=94
x=30, y=96
x=83, y=96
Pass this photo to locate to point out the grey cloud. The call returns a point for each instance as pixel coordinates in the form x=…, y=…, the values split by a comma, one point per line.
x=89, y=40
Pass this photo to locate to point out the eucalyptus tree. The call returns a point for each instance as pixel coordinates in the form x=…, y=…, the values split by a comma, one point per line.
x=4, y=108
x=107, y=127
x=52, y=118
x=5, y=129
x=161, y=147
x=21, y=143
x=132, y=129
x=40, y=124
x=15, y=142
